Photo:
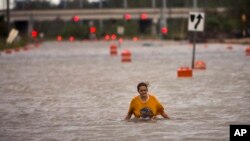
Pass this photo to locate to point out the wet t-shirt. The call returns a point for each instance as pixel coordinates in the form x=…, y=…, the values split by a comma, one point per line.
x=151, y=107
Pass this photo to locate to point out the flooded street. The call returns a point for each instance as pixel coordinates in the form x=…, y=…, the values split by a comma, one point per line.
x=76, y=91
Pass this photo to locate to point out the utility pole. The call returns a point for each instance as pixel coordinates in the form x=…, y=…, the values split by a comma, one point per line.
x=164, y=11
x=195, y=4
x=64, y=4
x=100, y=4
x=163, y=22
x=153, y=4
x=125, y=4
x=8, y=15
x=80, y=4
x=101, y=21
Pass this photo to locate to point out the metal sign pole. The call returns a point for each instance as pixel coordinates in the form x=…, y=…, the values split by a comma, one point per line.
x=194, y=43
x=194, y=37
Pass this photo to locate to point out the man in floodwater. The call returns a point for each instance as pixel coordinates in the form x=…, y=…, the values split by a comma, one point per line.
x=145, y=105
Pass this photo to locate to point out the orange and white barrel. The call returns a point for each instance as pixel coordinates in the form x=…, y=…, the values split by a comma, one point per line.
x=229, y=47
x=113, y=50
x=184, y=72
x=247, y=51
x=126, y=56
x=201, y=65
x=8, y=51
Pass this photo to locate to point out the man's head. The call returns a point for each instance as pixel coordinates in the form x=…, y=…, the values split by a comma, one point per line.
x=142, y=88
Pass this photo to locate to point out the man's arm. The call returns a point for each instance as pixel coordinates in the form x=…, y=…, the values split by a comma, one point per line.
x=128, y=116
x=130, y=110
x=164, y=115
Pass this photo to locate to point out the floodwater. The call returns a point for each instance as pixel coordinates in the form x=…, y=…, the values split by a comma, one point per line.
x=76, y=92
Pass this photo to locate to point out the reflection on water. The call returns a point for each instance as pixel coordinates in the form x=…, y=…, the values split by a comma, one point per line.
x=76, y=91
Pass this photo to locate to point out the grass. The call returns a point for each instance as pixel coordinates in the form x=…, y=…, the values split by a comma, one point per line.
x=16, y=44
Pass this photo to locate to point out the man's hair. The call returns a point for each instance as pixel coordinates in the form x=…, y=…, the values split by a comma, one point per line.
x=146, y=84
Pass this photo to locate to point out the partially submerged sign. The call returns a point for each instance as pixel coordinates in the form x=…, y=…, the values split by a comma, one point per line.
x=195, y=24
x=12, y=35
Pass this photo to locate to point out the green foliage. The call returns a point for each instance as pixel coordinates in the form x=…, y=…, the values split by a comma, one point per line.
x=237, y=9
x=113, y=3
x=177, y=29
x=75, y=29
x=16, y=44
x=139, y=4
x=218, y=25
x=3, y=29
x=49, y=28
x=66, y=29
x=131, y=28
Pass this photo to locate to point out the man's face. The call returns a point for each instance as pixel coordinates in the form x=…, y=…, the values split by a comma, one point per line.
x=143, y=90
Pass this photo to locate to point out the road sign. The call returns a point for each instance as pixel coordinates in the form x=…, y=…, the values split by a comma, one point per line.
x=12, y=35
x=196, y=21
x=120, y=30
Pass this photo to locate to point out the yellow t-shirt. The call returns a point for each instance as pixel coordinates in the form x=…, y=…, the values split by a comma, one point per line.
x=152, y=105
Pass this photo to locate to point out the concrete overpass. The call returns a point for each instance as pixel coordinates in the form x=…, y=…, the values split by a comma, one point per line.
x=99, y=14
x=154, y=14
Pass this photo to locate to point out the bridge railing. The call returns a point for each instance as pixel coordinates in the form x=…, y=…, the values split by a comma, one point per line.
x=66, y=14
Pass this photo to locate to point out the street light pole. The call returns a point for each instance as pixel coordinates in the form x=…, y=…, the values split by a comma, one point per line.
x=163, y=22
x=8, y=15
x=125, y=4
x=153, y=4
x=164, y=15
x=101, y=21
x=64, y=4
x=100, y=4
x=195, y=4
x=80, y=4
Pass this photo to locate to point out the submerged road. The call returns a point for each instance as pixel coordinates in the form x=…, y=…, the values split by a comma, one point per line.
x=76, y=91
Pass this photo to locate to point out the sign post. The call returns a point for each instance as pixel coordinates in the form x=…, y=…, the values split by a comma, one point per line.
x=195, y=24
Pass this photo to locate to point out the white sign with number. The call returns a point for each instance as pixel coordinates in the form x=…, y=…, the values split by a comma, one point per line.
x=120, y=30
x=196, y=21
x=12, y=35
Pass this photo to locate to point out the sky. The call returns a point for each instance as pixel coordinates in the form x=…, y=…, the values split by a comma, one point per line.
x=3, y=2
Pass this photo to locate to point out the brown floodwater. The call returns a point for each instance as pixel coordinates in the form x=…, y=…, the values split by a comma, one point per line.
x=77, y=91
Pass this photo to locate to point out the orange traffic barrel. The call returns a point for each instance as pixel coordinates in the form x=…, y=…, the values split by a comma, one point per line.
x=113, y=50
x=184, y=72
x=126, y=56
x=71, y=38
x=17, y=49
x=205, y=46
x=26, y=48
x=107, y=37
x=120, y=40
x=135, y=39
x=247, y=51
x=229, y=47
x=113, y=36
x=37, y=45
x=59, y=38
x=8, y=51
x=201, y=65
